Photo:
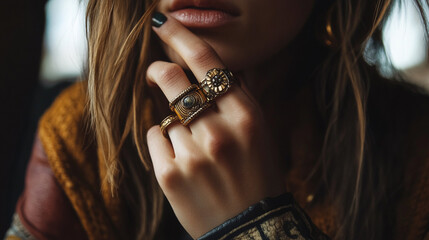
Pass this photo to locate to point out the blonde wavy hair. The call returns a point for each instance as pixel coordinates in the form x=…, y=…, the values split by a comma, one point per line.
x=121, y=108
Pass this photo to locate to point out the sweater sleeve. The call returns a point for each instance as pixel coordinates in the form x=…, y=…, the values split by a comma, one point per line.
x=43, y=211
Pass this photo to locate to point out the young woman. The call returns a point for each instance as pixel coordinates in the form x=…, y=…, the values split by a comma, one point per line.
x=273, y=124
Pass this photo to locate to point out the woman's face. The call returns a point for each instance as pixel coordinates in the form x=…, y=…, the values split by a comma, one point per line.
x=242, y=32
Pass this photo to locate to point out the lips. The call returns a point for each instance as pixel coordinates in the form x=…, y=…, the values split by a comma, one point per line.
x=203, y=13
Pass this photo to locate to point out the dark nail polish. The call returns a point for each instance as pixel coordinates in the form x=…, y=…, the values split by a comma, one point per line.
x=158, y=19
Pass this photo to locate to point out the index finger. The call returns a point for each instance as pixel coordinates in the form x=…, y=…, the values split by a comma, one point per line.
x=197, y=54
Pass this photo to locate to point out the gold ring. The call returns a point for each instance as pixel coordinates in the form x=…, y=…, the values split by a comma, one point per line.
x=167, y=122
x=189, y=104
x=216, y=82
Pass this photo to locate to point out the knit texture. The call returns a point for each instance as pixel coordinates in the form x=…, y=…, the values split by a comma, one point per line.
x=73, y=159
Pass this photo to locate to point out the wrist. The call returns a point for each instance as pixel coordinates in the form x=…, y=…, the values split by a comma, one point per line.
x=268, y=219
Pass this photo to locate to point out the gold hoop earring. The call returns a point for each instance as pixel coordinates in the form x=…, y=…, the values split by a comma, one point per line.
x=329, y=39
x=327, y=36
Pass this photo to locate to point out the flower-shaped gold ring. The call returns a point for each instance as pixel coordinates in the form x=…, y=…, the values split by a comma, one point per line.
x=216, y=82
x=189, y=104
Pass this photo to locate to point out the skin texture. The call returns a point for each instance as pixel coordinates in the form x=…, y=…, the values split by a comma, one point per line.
x=261, y=30
x=224, y=161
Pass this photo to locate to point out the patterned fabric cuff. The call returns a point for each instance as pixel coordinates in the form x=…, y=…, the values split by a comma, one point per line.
x=17, y=231
x=272, y=218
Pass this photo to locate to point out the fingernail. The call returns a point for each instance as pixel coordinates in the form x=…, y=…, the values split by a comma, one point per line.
x=158, y=19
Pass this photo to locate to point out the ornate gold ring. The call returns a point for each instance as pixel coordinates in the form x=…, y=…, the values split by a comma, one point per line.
x=167, y=122
x=216, y=82
x=189, y=104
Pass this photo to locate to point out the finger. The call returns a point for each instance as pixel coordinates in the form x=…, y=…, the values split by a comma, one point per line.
x=198, y=55
x=170, y=77
x=179, y=135
x=166, y=170
x=172, y=80
x=160, y=148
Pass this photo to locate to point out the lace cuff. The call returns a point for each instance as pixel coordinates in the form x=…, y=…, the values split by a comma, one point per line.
x=270, y=219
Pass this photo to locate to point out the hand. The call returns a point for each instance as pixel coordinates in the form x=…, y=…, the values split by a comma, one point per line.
x=223, y=161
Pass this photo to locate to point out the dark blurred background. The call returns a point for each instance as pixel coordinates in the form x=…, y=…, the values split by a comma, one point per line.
x=43, y=49
x=24, y=90
x=21, y=29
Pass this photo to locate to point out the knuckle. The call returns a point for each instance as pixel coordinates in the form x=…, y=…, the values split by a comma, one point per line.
x=152, y=132
x=168, y=75
x=247, y=121
x=197, y=166
x=216, y=145
x=152, y=68
x=202, y=53
x=170, y=32
x=193, y=163
x=190, y=156
x=169, y=177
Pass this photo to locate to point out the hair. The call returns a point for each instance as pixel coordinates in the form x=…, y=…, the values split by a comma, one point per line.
x=121, y=109
x=118, y=43
x=358, y=183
